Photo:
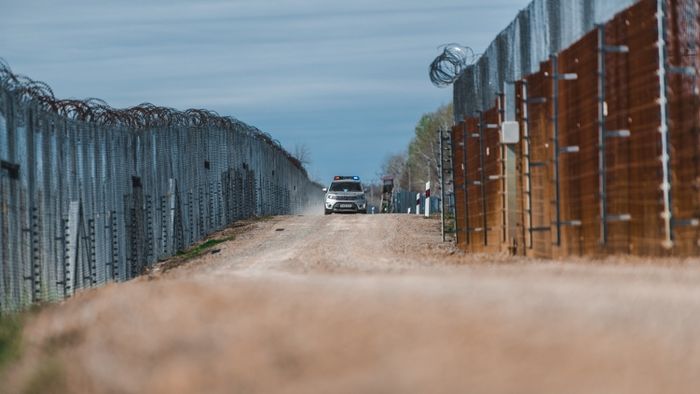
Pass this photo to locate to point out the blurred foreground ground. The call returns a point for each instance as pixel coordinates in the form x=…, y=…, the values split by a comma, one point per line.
x=373, y=304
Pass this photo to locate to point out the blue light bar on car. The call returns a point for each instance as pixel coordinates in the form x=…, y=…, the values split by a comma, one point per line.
x=340, y=177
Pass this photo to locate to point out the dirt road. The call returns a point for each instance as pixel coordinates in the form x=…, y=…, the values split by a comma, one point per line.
x=376, y=304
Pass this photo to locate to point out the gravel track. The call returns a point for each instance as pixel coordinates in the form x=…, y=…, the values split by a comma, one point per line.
x=377, y=304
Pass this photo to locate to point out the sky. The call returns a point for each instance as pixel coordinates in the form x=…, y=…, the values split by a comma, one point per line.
x=347, y=79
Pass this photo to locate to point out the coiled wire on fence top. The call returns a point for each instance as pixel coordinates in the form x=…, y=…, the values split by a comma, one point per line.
x=450, y=64
x=90, y=194
x=142, y=116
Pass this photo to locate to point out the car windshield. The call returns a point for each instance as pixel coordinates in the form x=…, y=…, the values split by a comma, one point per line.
x=346, y=187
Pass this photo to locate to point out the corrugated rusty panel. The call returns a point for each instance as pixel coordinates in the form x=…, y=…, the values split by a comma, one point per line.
x=684, y=125
x=540, y=129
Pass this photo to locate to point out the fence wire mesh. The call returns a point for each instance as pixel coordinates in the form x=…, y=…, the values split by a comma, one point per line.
x=91, y=195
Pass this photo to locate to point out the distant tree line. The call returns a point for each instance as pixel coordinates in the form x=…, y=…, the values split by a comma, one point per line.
x=417, y=164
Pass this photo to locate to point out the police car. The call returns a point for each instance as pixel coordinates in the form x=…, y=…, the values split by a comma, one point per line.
x=345, y=194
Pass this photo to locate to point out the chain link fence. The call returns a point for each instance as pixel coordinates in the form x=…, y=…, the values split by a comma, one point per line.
x=90, y=196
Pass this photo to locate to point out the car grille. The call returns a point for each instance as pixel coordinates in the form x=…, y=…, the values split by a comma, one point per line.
x=347, y=198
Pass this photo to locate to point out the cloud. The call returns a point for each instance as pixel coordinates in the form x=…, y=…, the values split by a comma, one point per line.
x=336, y=75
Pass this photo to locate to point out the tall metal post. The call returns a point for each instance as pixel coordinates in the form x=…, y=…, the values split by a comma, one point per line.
x=503, y=176
x=482, y=153
x=602, y=167
x=555, y=128
x=451, y=206
x=526, y=164
x=441, y=167
x=667, y=214
x=465, y=171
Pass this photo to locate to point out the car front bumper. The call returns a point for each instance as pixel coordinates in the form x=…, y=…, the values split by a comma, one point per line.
x=345, y=206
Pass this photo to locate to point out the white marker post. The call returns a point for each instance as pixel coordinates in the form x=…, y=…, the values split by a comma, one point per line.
x=427, y=199
x=417, y=203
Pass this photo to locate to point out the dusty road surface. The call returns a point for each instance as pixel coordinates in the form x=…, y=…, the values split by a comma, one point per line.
x=373, y=304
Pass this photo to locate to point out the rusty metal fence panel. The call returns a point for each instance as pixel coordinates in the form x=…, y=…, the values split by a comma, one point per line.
x=615, y=183
x=609, y=145
x=478, y=226
x=85, y=203
x=477, y=164
x=539, y=170
x=493, y=176
x=646, y=150
x=684, y=122
x=460, y=187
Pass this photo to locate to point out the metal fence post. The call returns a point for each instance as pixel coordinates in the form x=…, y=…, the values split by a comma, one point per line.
x=465, y=184
x=527, y=163
x=667, y=213
x=484, y=203
x=441, y=172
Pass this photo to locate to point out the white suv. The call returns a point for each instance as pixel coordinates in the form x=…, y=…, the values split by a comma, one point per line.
x=345, y=194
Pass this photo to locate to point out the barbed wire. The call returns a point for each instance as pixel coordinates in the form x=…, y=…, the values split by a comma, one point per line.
x=139, y=117
x=450, y=64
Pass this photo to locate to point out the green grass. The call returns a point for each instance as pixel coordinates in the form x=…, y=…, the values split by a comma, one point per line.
x=47, y=374
x=199, y=249
x=10, y=337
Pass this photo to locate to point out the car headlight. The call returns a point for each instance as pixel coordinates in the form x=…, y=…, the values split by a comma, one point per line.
x=331, y=196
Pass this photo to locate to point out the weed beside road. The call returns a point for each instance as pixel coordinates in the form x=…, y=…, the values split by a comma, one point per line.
x=10, y=338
